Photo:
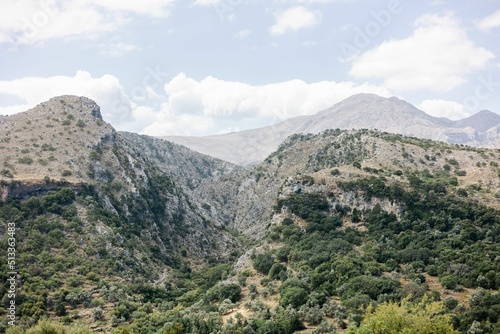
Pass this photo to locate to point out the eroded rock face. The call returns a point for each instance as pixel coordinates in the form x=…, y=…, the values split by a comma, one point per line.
x=143, y=182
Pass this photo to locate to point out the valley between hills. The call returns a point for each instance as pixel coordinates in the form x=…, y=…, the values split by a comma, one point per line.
x=312, y=225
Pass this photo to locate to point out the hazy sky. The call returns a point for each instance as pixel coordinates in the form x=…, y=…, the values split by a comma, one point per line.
x=196, y=67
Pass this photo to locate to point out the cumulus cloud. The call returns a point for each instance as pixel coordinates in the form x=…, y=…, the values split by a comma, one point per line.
x=214, y=106
x=294, y=19
x=188, y=106
x=437, y=56
x=33, y=21
x=490, y=21
x=443, y=108
x=106, y=91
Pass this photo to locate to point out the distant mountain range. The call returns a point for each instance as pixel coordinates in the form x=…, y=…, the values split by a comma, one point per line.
x=361, y=111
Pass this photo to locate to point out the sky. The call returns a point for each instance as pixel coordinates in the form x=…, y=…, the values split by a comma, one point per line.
x=202, y=67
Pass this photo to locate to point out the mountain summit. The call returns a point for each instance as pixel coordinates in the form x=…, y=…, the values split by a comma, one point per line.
x=481, y=121
x=359, y=111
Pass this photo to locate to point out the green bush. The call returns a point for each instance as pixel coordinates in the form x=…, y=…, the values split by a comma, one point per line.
x=263, y=263
x=25, y=160
x=422, y=318
x=276, y=270
x=294, y=296
x=449, y=282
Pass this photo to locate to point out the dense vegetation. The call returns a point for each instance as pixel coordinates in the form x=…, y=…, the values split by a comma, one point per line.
x=438, y=233
x=118, y=257
x=67, y=264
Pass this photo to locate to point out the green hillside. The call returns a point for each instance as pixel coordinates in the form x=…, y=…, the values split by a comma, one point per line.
x=345, y=231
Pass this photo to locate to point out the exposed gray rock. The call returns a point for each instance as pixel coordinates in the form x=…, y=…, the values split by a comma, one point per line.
x=361, y=111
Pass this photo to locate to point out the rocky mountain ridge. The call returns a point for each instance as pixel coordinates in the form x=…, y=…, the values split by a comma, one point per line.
x=135, y=233
x=361, y=111
x=146, y=182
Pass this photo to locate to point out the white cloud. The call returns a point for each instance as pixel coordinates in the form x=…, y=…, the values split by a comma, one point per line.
x=443, y=108
x=244, y=33
x=106, y=91
x=216, y=106
x=154, y=8
x=185, y=125
x=490, y=21
x=294, y=19
x=33, y=21
x=437, y=56
x=188, y=106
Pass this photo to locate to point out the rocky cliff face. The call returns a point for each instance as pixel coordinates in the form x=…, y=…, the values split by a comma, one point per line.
x=303, y=163
x=147, y=184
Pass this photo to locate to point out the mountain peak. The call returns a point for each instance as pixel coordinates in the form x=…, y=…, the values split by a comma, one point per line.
x=487, y=113
x=57, y=138
x=480, y=121
x=74, y=105
x=360, y=111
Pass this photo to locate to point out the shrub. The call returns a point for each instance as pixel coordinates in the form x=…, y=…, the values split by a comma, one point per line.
x=225, y=307
x=421, y=318
x=263, y=263
x=294, y=296
x=276, y=270
x=226, y=291
x=47, y=327
x=451, y=303
x=335, y=172
x=25, y=160
x=6, y=173
x=97, y=314
x=449, y=282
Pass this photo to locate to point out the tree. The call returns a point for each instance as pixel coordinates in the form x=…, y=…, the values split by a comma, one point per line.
x=449, y=282
x=263, y=263
x=226, y=306
x=294, y=296
x=423, y=318
x=97, y=313
x=276, y=270
x=230, y=291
